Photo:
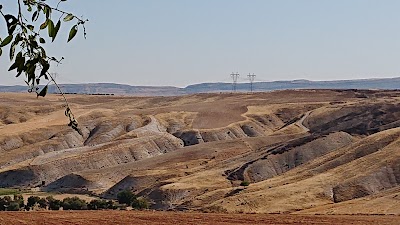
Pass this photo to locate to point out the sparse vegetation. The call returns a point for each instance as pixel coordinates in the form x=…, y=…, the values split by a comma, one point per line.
x=173, y=198
x=245, y=183
x=171, y=176
x=9, y=191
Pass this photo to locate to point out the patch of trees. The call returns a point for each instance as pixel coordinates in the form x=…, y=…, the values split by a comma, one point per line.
x=125, y=199
x=11, y=204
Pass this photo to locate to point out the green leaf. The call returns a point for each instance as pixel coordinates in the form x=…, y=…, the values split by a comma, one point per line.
x=6, y=41
x=72, y=33
x=46, y=67
x=19, y=62
x=50, y=28
x=1, y=52
x=35, y=16
x=69, y=17
x=42, y=41
x=56, y=29
x=43, y=92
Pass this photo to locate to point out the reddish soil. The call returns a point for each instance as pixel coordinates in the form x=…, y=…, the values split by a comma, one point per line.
x=135, y=217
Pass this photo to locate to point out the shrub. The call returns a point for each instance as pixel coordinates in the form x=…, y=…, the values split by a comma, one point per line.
x=20, y=200
x=111, y=205
x=74, y=203
x=54, y=204
x=32, y=200
x=43, y=203
x=140, y=203
x=14, y=206
x=5, y=202
x=98, y=204
x=126, y=197
x=245, y=183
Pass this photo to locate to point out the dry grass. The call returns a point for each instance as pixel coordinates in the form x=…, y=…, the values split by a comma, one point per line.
x=128, y=142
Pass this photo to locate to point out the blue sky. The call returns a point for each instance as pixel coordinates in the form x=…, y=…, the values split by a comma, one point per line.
x=181, y=42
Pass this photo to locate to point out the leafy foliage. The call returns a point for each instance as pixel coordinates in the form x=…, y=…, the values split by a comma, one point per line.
x=140, y=203
x=9, y=204
x=32, y=201
x=101, y=204
x=74, y=203
x=54, y=204
x=27, y=37
x=71, y=203
x=20, y=200
x=126, y=197
x=14, y=206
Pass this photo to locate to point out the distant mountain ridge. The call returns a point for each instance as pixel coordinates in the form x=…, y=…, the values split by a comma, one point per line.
x=123, y=89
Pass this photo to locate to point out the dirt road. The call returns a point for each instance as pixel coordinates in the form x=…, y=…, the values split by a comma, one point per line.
x=174, y=218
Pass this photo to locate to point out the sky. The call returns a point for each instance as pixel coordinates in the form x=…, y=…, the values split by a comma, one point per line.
x=183, y=42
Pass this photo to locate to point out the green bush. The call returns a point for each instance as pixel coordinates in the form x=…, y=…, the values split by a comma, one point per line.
x=14, y=206
x=100, y=204
x=32, y=200
x=140, y=203
x=20, y=200
x=5, y=202
x=74, y=203
x=43, y=203
x=126, y=197
x=245, y=183
x=54, y=204
x=111, y=205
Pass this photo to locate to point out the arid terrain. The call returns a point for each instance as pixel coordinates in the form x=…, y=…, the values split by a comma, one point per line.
x=174, y=218
x=308, y=152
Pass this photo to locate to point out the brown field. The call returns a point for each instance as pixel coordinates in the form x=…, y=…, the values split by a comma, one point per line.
x=174, y=218
x=304, y=152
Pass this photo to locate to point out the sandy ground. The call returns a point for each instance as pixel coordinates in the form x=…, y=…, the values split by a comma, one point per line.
x=174, y=218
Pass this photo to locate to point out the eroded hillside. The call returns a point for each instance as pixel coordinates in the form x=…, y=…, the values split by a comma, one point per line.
x=303, y=151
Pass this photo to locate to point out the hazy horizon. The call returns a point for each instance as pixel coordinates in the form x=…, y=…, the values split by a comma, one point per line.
x=179, y=43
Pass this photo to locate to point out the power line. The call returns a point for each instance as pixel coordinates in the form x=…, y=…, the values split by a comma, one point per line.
x=234, y=79
x=251, y=79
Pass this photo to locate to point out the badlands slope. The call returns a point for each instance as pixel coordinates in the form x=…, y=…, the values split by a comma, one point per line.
x=303, y=151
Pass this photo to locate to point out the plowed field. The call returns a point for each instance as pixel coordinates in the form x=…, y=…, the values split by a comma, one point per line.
x=174, y=218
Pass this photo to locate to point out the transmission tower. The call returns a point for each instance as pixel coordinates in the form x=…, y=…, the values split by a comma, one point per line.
x=234, y=79
x=251, y=79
